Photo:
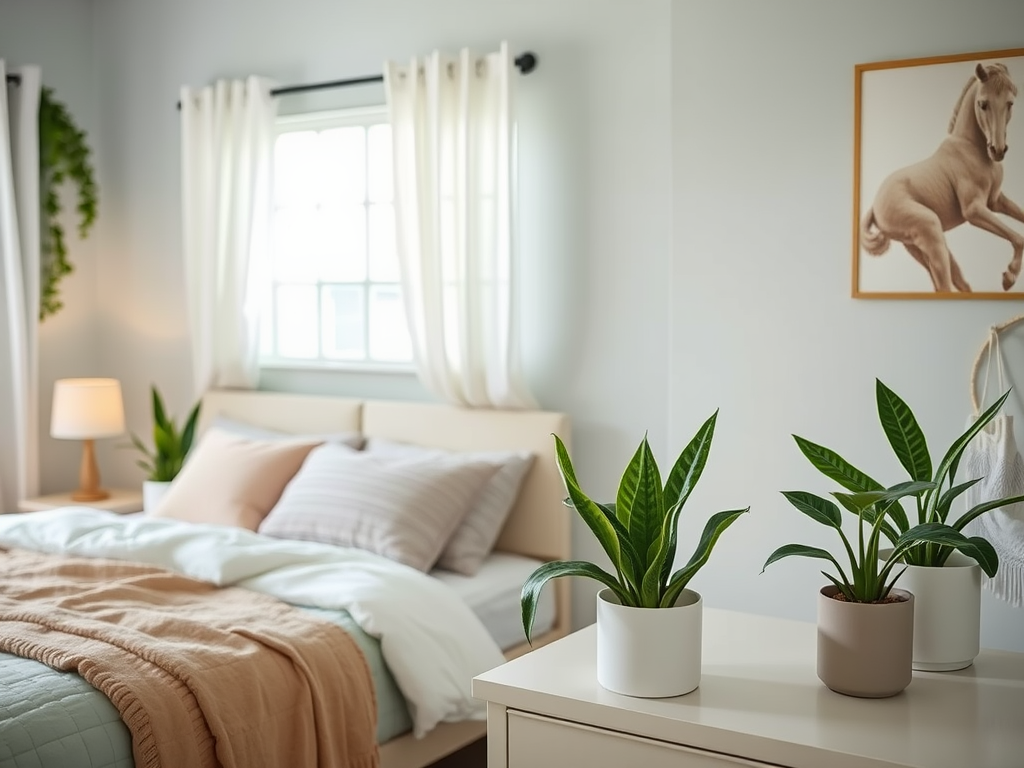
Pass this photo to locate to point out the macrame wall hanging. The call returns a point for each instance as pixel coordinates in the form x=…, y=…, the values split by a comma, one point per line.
x=993, y=455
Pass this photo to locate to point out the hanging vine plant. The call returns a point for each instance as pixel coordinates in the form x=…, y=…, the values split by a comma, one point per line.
x=63, y=156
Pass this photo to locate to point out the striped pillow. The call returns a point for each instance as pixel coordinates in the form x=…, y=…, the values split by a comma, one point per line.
x=404, y=508
x=475, y=537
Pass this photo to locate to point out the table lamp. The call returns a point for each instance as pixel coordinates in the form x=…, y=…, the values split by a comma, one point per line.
x=87, y=409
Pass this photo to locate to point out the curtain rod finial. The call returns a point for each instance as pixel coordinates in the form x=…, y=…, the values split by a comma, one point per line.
x=526, y=62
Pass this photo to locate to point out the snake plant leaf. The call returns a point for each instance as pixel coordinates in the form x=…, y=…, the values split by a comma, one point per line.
x=189, y=431
x=159, y=414
x=631, y=568
x=944, y=535
x=628, y=486
x=904, y=433
x=556, y=569
x=835, y=467
x=164, y=439
x=648, y=515
x=592, y=515
x=984, y=507
x=713, y=529
x=816, y=508
x=682, y=479
x=842, y=586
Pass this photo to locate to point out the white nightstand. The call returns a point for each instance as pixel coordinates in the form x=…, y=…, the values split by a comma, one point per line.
x=759, y=703
x=121, y=500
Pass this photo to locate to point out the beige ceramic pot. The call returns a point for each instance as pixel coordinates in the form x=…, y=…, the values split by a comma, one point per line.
x=865, y=649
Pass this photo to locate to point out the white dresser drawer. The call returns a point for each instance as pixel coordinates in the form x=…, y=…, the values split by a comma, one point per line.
x=535, y=741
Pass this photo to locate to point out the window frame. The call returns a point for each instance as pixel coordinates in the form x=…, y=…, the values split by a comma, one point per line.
x=320, y=120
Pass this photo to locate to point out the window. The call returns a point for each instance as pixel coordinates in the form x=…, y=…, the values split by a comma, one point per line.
x=334, y=297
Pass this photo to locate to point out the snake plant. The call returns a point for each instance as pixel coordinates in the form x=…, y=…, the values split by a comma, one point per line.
x=638, y=531
x=933, y=507
x=170, y=446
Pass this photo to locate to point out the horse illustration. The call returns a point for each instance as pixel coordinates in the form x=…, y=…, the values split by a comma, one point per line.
x=962, y=181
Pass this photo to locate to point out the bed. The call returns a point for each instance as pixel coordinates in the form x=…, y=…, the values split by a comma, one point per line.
x=537, y=529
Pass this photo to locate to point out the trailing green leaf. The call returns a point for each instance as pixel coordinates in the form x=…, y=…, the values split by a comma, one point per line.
x=64, y=156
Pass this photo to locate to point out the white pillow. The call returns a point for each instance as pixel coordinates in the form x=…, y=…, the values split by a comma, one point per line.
x=255, y=432
x=475, y=537
x=402, y=507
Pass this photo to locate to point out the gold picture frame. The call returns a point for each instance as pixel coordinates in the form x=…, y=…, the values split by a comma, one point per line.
x=923, y=227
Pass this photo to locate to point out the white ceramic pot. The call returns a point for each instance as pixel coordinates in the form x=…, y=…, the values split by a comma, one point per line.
x=649, y=652
x=152, y=492
x=947, y=613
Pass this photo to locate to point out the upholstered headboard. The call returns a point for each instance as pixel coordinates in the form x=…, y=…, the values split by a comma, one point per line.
x=539, y=524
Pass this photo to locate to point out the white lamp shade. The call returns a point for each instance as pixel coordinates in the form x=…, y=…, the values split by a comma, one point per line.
x=86, y=409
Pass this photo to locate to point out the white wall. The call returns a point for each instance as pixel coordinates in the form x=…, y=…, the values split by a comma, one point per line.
x=763, y=325
x=57, y=36
x=595, y=189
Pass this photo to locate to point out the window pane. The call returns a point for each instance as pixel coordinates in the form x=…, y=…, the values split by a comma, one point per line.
x=382, y=254
x=342, y=163
x=296, y=168
x=344, y=319
x=296, y=244
x=389, y=335
x=297, y=329
x=344, y=255
x=381, y=181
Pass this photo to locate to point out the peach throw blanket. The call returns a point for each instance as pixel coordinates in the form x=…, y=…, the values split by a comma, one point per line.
x=202, y=676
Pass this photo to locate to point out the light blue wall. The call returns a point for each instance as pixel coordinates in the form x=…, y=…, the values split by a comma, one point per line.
x=762, y=322
x=686, y=229
x=57, y=36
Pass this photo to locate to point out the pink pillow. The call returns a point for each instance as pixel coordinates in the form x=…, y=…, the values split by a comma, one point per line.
x=229, y=480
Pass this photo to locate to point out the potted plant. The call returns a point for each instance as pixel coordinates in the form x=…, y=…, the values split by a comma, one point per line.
x=648, y=621
x=170, y=447
x=945, y=576
x=865, y=626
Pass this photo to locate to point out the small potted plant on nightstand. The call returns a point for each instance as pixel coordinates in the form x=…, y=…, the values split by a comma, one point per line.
x=944, y=575
x=648, y=621
x=170, y=447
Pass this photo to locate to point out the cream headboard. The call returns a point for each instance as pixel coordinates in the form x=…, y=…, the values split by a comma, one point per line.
x=539, y=524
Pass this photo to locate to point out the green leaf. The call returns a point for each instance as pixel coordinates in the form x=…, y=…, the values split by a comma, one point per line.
x=592, y=515
x=984, y=507
x=713, y=529
x=898, y=491
x=628, y=485
x=648, y=515
x=681, y=481
x=976, y=548
x=188, y=433
x=904, y=433
x=869, y=514
x=818, y=509
x=556, y=569
x=159, y=417
x=952, y=458
x=802, y=550
x=947, y=499
x=835, y=467
x=631, y=569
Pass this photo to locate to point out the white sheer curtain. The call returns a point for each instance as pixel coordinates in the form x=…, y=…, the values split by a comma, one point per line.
x=227, y=134
x=19, y=286
x=453, y=127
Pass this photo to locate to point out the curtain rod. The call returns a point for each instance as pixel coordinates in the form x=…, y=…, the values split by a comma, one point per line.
x=526, y=62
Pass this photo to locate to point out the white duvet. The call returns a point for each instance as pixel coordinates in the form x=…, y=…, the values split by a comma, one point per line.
x=430, y=639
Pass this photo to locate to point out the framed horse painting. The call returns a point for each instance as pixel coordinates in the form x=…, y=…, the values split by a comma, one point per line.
x=938, y=184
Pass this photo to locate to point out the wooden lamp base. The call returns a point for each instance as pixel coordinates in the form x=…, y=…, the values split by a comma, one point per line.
x=89, y=476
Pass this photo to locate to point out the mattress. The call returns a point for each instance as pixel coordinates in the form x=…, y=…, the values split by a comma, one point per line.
x=57, y=718
x=494, y=595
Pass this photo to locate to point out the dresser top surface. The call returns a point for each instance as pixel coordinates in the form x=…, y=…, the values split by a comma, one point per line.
x=760, y=697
